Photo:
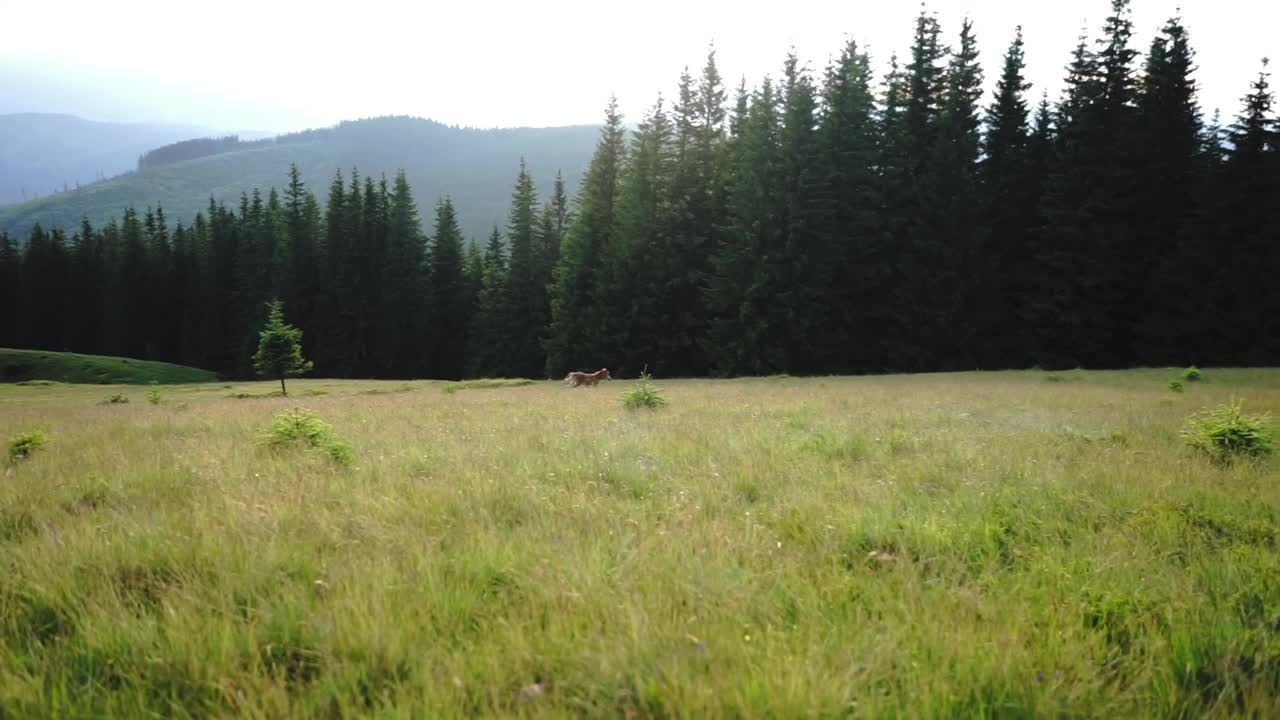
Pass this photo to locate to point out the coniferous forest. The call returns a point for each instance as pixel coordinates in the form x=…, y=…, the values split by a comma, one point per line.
x=819, y=222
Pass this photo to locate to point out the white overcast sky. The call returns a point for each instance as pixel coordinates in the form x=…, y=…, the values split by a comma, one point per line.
x=282, y=65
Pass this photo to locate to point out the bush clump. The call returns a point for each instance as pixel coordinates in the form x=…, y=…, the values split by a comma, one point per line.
x=644, y=394
x=22, y=445
x=303, y=427
x=1227, y=433
x=116, y=399
x=1175, y=385
x=1192, y=374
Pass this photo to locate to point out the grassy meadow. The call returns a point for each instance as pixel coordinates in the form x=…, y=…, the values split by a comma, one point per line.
x=963, y=545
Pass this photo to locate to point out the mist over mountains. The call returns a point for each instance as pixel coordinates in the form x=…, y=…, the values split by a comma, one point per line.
x=60, y=159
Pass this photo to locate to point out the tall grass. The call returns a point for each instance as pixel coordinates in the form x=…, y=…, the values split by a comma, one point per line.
x=943, y=545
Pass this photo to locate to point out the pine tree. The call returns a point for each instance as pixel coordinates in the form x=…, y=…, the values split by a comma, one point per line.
x=861, y=270
x=45, y=271
x=1172, y=164
x=529, y=311
x=1010, y=194
x=403, y=347
x=747, y=322
x=800, y=268
x=85, y=290
x=11, y=291
x=450, y=313
x=633, y=267
x=279, y=353
x=1248, y=249
x=487, y=339
x=570, y=342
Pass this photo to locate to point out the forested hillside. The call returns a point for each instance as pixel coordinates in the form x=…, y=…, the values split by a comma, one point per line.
x=474, y=166
x=826, y=222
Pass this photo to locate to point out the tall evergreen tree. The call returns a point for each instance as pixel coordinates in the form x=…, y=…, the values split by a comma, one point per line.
x=403, y=347
x=10, y=290
x=629, y=286
x=746, y=322
x=1008, y=219
x=45, y=271
x=861, y=269
x=487, y=339
x=570, y=341
x=529, y=311
x=450, y=313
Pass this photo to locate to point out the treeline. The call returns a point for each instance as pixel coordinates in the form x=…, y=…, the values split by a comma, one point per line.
x=808, y=225
x=190, y=150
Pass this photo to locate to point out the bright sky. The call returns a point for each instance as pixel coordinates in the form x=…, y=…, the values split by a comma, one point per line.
x=283, y=65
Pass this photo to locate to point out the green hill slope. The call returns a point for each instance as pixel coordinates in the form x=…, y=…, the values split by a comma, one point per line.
x=22, y=365
x=475, y=167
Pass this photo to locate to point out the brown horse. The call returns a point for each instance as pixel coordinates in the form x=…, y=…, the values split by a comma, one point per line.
x=575, y=378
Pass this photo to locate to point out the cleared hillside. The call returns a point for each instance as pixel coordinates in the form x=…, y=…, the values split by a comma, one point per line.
x=475, y=167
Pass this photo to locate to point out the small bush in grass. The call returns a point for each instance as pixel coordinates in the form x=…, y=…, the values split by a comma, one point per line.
x=153, y=395
x=116, y=399
x=1226, y=433
x=1192, y=374
x=21, y=446
x=644, y=394
x=1175, y=385
x=303, y=427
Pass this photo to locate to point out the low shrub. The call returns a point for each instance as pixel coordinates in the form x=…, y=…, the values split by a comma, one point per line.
x=644, y=394
x=22, y=445
x=116, y=399
x=303, y=427
x=1175, y=385
x=1227, y=433
x=1192, y=374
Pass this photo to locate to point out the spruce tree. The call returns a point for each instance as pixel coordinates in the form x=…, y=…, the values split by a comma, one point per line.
x=487, y=340
x=633, y=267
x=10, y=290
x=746, y=320
x=450, y=313
x=403, y=347
x=1007, y=219
x=279, y=353
x=861, y=270
x=574, y=322
x=529, y=311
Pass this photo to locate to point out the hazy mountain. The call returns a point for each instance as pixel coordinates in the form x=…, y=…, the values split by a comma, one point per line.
x=475, y=167
x=42, y=153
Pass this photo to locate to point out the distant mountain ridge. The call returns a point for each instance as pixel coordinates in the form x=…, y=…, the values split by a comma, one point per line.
x=475, y=167
x=43, y=153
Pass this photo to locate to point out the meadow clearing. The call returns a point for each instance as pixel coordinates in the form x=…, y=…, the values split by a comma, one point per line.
x=961, y=545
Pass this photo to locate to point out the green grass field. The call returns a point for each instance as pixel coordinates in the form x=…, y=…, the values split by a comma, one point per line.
x=37, y=365
x=967, y=545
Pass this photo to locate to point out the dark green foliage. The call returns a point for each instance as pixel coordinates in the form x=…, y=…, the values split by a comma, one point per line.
x=116, y=399
x=575, y=318
x=451, y=314
x=279, y=352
